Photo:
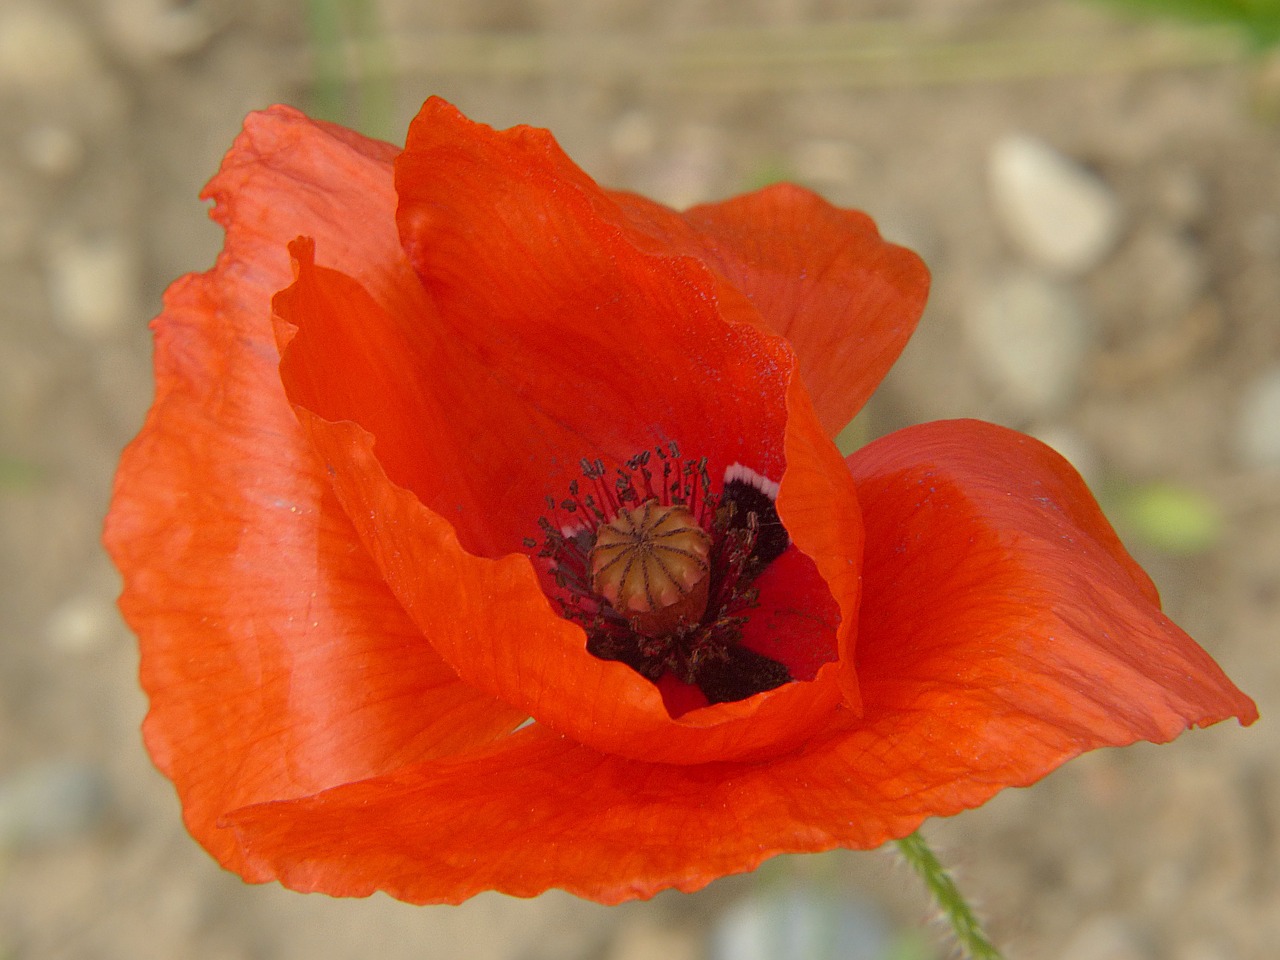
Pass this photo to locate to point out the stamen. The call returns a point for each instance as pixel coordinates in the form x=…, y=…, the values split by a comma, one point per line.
x=658, y=570
x=650, y=563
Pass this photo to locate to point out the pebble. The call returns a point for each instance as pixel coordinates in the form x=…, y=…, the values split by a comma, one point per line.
x=53, y=150
x=147, y=31
x=51, y=802
x=1030, y=336
x=41, y=47
x=1056, y=213
x=801, y=923
x=1257, y=430
x=92, y=284
x=1106, y=938
x=80, y=625
x=641, y=938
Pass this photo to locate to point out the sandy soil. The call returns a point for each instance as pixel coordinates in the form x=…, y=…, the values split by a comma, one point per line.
x=113, y=114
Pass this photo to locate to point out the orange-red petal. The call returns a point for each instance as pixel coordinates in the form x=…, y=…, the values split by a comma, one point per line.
x=1005, y=630
x=574, y=344
x=571, y=341
x=795, y=620
x=1057, y=641
x=490, y=620
x=845, y=299
x=276, y=660
x=337, y=638
x=540, y=811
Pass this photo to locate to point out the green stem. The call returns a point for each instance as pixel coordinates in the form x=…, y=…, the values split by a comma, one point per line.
x=964, y=924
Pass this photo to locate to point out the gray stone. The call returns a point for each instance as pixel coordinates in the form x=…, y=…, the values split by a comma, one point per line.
x=53, y=150
x=50, y=803
x=801, y=923
x=1257, y=431
x=1055, y=212
x=1030, y=336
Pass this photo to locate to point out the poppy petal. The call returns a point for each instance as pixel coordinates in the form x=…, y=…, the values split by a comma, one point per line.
x=999, y=601
x=794, y=608
x=503, y=423
x=275, y=658
x=492, y=622
x=506, y=232
x=822, y=277
x=570, y=341
x=321, y=526
x=1005, y=631
x=602, y=827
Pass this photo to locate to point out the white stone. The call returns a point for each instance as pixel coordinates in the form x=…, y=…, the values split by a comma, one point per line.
x=80, y=625
x=151, y=30
x=92, y=284
x=41, y=47
x=1257, y=433
x=1055, y=212
x=1030, y=336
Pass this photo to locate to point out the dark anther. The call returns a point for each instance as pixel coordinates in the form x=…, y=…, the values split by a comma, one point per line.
x=741, y=674
x=739, y=501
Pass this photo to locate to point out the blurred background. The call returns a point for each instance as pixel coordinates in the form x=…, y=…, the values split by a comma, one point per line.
x=1096, y=188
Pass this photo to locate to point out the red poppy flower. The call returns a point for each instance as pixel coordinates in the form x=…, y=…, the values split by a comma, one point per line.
x=490, y=444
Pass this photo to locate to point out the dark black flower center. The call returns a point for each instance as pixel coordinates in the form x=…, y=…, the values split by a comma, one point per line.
x=658, y=569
